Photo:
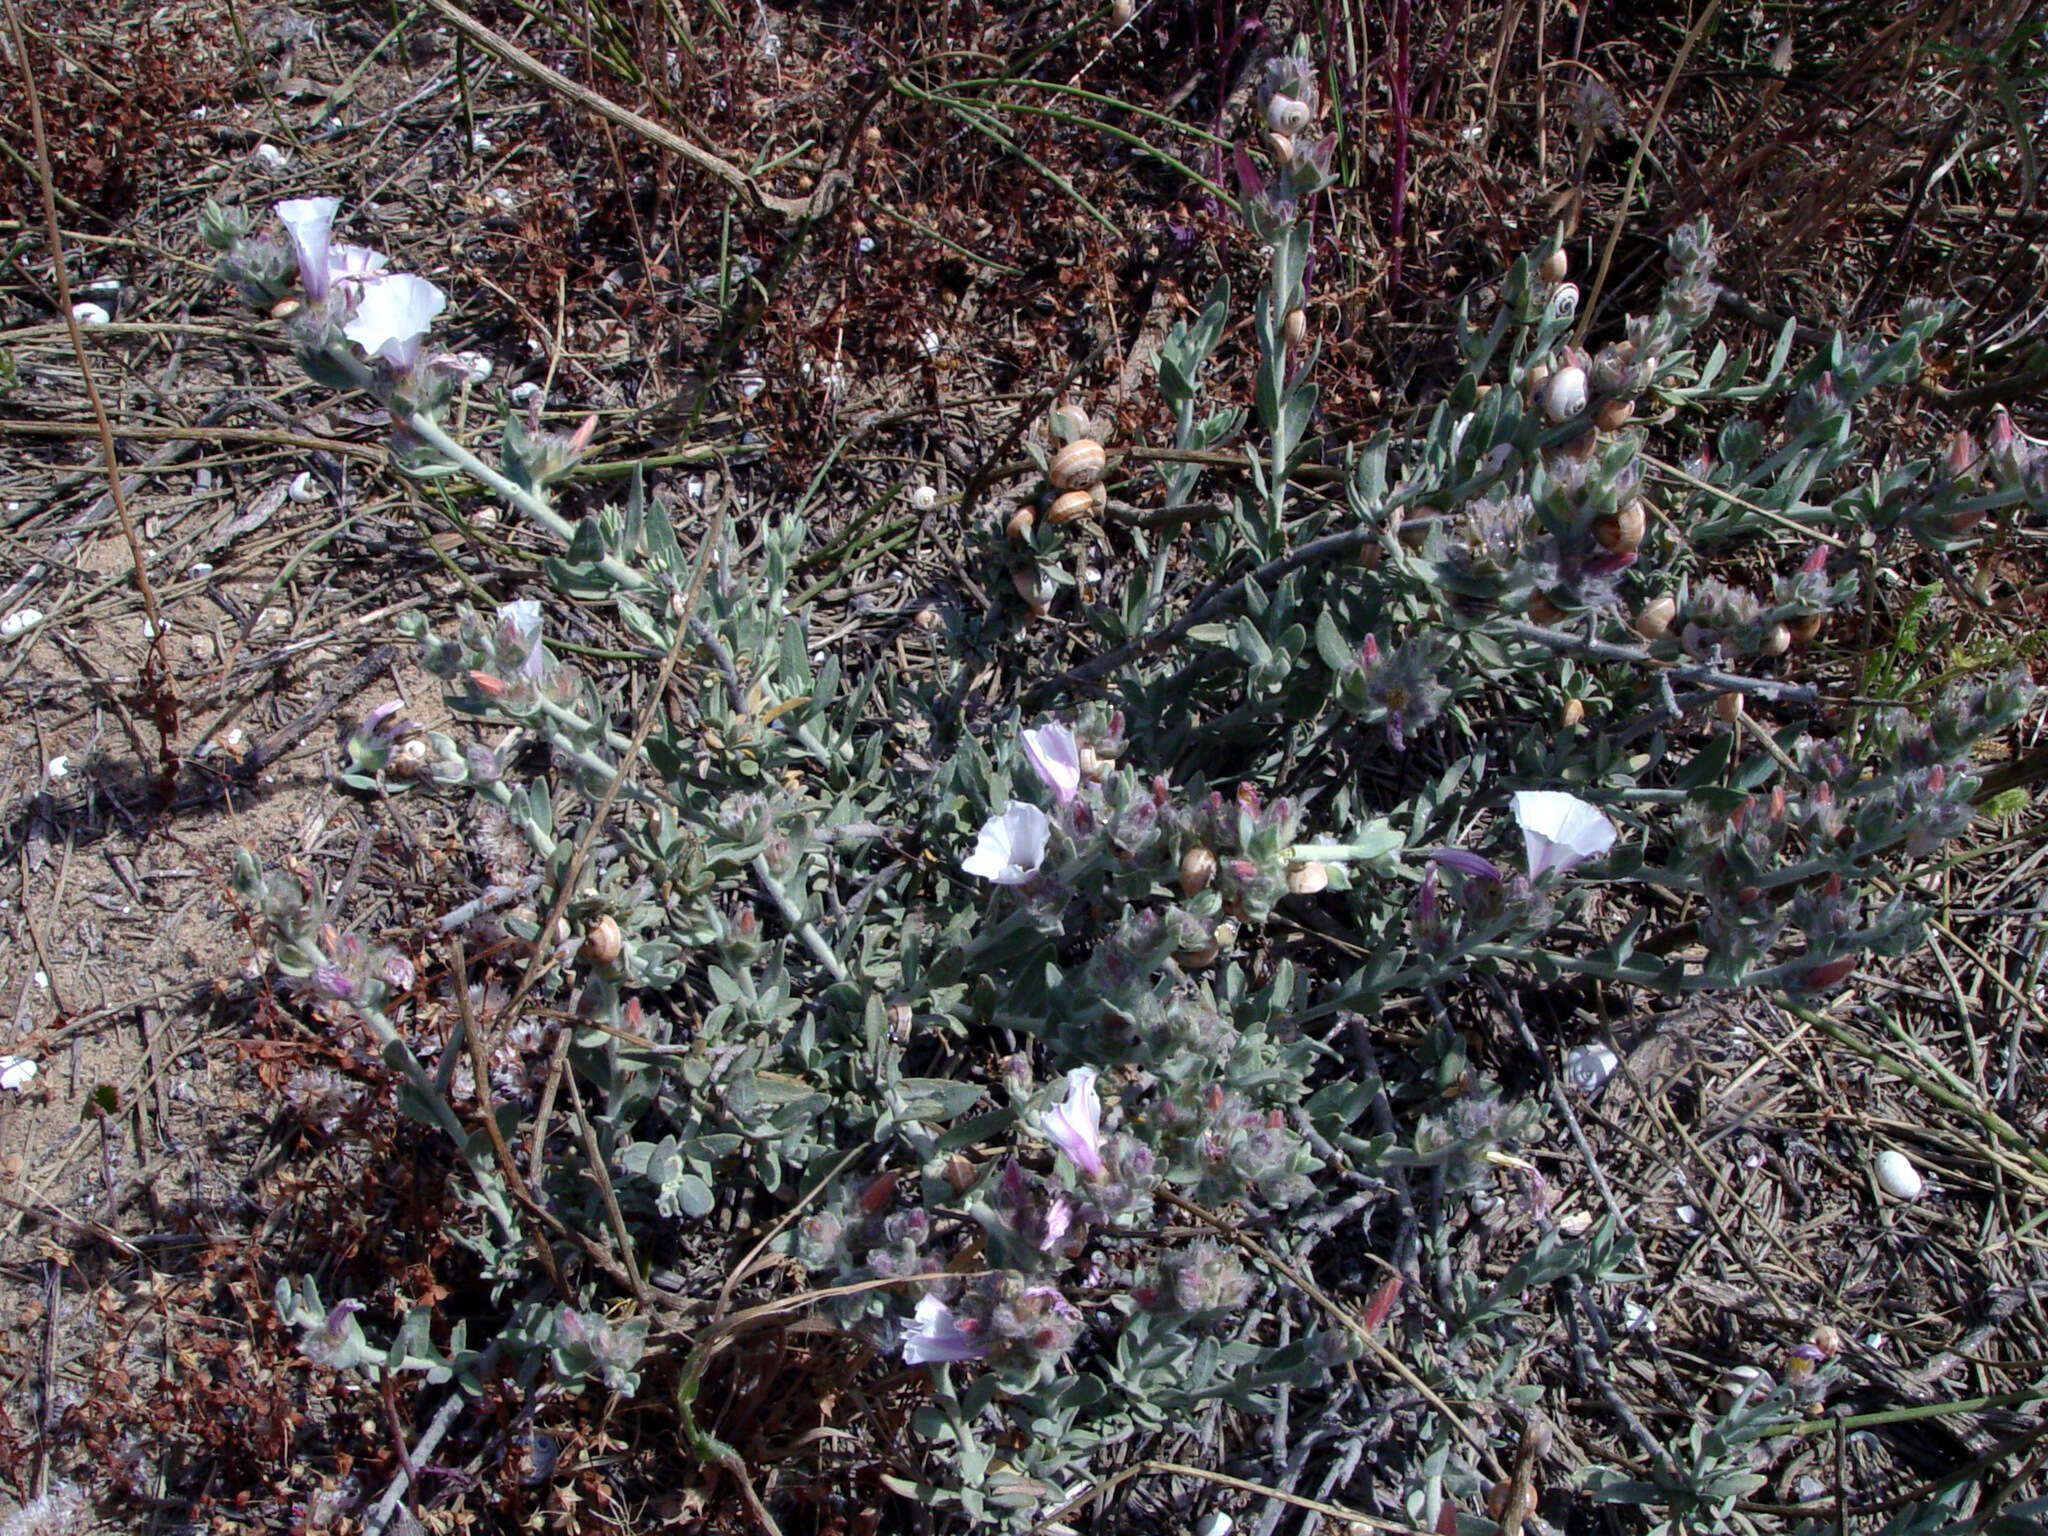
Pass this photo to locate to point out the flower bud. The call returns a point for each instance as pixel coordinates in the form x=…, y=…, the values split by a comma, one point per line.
x=1653, y=619
x=1962, y=454
x=1552, y=268
x=1564, y=394
x=602, y=941
x=1305, y=877
x=1197, y=869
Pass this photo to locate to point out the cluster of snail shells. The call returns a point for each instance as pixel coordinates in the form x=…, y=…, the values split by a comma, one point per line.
x=1656, y=620
x=1075, y=475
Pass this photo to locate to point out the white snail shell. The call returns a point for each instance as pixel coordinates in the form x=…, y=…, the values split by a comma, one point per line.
x=1564, y=394
x=1897, y=1176
x=1284, y=114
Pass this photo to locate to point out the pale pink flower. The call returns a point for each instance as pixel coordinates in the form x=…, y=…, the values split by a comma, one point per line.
x=1075, y=1126
x=1056, y=757
x=938, y=1335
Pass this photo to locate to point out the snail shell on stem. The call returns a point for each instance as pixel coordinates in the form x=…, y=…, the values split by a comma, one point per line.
x=1070, y=506
x=1078, y=465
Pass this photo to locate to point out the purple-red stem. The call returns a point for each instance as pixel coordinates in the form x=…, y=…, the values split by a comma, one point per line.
x=1397, y=91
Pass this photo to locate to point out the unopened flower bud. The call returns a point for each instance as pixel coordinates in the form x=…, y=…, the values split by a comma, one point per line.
x=1962, y=454
x=1828, y=973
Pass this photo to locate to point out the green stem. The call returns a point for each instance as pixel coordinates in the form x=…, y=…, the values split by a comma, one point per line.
x=530, y=503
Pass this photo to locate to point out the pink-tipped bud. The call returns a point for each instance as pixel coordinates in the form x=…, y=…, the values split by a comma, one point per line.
x=1962, y=454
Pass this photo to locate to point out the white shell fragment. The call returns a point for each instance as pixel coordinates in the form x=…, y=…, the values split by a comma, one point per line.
x=270, y=157
x=1215, y=1523
x=474, y=365
x=1587, y=1067
x=85, y=312
x=19, y=622
x=303, y=487
x=1897, y=1176
x=16, y=1073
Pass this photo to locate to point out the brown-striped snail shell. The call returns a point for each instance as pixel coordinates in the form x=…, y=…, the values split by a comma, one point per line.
x=1613, y=414
x=602, y=941
x=1653, y=619
x=1020, y=522
x=1078, y=465
x=1069, y=507
x=1621, y=532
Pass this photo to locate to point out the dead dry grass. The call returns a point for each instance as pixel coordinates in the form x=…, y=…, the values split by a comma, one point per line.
x=971, y=255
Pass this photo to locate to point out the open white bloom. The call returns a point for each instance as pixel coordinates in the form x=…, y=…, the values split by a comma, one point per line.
x=1011, y=845
x=1560, y=830
x=392, y=316
x=938, y=1335
x=310, y=221
x=1056, y=757
x=1075, y=1126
